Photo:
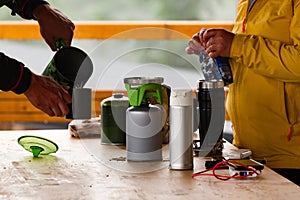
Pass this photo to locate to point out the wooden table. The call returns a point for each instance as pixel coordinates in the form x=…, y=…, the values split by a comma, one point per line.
x=85, y=169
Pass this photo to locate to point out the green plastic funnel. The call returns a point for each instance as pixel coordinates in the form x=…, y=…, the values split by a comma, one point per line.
x=37, y=145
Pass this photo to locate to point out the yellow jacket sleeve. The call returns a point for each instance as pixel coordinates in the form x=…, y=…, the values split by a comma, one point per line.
x=270, y=57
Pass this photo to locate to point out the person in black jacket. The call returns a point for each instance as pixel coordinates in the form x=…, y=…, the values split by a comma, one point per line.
x=43, y=92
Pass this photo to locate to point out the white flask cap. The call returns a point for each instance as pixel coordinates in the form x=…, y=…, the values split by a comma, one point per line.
x=181, y=97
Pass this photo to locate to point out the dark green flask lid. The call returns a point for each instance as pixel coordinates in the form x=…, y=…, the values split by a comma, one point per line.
x=37, y=145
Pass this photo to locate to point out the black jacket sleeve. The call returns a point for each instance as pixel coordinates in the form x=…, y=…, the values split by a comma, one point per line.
x=13, y=75
x=24, y=8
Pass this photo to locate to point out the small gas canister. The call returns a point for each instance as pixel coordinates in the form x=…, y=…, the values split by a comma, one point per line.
x=113, y=119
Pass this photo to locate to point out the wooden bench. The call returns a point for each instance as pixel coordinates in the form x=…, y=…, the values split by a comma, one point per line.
x=16, y=108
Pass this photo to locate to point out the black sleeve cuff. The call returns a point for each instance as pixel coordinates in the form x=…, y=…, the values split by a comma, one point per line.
x=24, y=81
x=24, y=8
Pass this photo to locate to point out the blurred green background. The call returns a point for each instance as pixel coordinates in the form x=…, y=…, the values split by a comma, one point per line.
x=115, y=59
x=142, y=9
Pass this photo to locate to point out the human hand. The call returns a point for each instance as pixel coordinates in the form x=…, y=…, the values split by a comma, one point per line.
x=53, y=25
x=48, y=96
x=194, y=45
x=217, y=42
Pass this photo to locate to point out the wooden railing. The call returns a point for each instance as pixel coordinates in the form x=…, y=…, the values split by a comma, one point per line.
x=16, y=108
x=107, y=29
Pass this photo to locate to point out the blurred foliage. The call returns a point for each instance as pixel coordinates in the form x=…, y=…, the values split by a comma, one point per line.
x=78, y=10
x=141, y=9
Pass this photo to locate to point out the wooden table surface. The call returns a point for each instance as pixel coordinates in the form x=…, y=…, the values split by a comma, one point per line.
x=85, y=169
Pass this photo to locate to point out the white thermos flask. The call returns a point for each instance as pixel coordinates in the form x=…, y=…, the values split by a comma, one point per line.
x=181, y=129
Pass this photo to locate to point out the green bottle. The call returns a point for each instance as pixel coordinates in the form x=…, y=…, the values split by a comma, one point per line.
x=113, y=119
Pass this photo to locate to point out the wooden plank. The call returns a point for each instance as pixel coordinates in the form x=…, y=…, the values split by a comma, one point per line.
x=17, y=105
x=85, y=169
x=30, y=117
x=10, y=95
x=16, y=108
x=145, y=30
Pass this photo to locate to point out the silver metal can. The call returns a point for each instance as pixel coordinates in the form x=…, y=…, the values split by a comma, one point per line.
x=144, y=133
x=181, y=129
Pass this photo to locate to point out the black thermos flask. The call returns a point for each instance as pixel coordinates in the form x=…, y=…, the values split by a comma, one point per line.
x=211, y=95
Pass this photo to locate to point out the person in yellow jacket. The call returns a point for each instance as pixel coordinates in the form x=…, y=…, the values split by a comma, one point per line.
x=264, y=98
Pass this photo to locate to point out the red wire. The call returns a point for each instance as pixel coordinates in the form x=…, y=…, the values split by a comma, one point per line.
x=221, y=165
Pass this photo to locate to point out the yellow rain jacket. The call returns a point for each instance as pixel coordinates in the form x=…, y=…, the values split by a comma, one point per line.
x=264, y=100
